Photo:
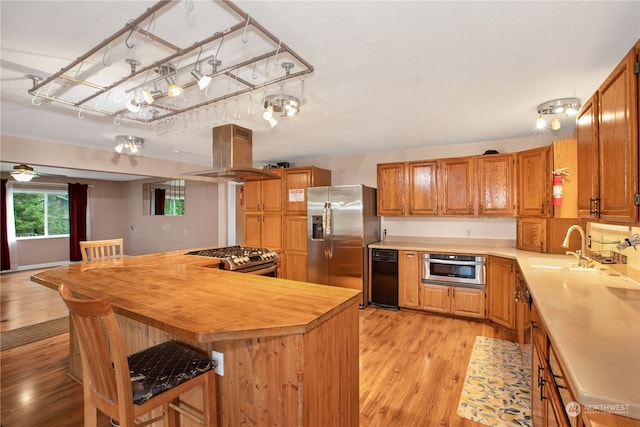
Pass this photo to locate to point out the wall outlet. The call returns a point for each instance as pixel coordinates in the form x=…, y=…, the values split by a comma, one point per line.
x=219, y=358
x=467, y=232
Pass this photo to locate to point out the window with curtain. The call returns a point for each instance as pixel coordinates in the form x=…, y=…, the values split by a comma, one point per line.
x=40, y=213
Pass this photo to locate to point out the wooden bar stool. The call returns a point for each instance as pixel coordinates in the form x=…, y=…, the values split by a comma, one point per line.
x=101, y=250
x=127, y=387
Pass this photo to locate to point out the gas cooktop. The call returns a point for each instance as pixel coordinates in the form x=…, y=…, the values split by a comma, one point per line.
x=239, y=257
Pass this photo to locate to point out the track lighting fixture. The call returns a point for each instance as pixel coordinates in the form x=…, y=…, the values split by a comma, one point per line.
x=568, y=106
x=203, y=81
x=134, y=105
x=150, y=95
x=174, y=89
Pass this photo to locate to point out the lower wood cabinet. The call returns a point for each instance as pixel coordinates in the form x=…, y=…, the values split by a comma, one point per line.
x=294, y=264
x=501, y=285
x=453, y=300
x=409, y=279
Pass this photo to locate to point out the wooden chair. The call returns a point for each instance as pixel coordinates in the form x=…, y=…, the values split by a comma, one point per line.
x=127, y=387
x=101, y=250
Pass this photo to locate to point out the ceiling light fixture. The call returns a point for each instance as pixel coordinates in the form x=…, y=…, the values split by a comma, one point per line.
x=128, y=144
x=203, y=81
x=568, y=106
x=151, y=95
x=174, y=89
x=134, y=105
x=23, y=173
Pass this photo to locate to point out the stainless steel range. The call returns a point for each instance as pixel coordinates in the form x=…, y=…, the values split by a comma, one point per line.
x=243, y=259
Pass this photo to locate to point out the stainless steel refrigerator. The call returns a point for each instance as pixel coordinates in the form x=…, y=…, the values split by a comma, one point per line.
x=341, y=222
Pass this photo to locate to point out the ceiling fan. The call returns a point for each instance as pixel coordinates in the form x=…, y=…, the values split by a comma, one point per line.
x=23, y=173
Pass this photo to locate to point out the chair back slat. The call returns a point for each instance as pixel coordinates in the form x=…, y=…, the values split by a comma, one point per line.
x=101, y=250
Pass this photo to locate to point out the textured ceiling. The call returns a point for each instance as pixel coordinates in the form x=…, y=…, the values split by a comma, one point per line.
x=388, y=74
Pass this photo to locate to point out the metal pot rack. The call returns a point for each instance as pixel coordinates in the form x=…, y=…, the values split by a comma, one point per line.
x=163, y=107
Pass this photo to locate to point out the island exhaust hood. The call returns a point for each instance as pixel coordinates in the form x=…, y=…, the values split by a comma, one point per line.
x=232, y=156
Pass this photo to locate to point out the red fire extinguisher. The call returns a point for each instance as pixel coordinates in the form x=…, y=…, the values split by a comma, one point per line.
x=557, y=186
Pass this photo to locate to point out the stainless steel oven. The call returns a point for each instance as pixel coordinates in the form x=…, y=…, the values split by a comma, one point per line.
x=454, y=270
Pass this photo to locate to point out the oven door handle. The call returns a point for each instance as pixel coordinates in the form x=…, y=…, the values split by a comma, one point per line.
x=444, y=261
x=263, y=271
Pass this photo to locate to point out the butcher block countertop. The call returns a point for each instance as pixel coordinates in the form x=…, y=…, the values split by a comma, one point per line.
x=190, y=297
x=592, y=318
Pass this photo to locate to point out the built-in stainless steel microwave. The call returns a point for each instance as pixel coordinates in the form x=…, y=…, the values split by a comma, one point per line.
x=454, y=270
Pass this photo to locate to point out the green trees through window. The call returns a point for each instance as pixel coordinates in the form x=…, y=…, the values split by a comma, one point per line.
x=41, y=213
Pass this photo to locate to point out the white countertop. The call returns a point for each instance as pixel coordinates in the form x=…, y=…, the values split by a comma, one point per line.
x=592, y=318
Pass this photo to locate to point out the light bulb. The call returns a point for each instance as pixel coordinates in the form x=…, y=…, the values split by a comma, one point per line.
x=555, y=124
x=174, y=90
x=268, y=113
x=133, y=105
x=119, y=147
x=540, y=123
x=272, y=122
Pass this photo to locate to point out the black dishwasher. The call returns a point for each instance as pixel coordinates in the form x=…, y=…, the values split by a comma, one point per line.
x=384, y=278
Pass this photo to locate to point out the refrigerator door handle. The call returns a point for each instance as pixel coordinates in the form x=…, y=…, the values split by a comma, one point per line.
x=325, y=229
x=329, y=230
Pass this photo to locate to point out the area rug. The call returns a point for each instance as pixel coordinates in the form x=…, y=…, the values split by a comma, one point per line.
x=32, y=333
x=497, y=387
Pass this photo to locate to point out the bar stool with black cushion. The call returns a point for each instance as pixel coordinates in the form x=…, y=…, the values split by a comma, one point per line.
x=127, y=387
x=101, y=250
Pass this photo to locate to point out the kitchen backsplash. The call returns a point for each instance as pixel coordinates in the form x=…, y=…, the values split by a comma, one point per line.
x=605, y=239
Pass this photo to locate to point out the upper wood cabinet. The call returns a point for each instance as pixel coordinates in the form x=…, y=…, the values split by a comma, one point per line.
x=423, y=187
x=263, y=213
x=496, y=181
x=457, y=186
x=608, y=146
x=295, y=182
x=264, y=196
x=618, y=138
x=534, y=182
x=588, y=177
x=409, y=279
x=391, y=189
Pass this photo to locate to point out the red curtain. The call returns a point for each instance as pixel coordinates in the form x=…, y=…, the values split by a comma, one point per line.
x=4, y=237
x=77, y=219
x=159, y=201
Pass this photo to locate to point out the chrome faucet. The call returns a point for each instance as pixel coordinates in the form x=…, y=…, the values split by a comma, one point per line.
x=582, y=259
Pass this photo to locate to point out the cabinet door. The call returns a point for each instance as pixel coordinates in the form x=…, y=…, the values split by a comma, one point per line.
x=468, y=302
x=271, y=231
x=501, y=291
x=295, y=266
x=457, y=186
x=295, y=233
x=534, y=182
x=423, y=188
x=588, y=169
x=252, y=196
x=435, y=298
x=294, y=191
x=391, y=181
x=532, y=234
x=496, y=184
x=618, y=132
x=252, y=227
x=537, y=398
x=271, y=193
x=409, y=279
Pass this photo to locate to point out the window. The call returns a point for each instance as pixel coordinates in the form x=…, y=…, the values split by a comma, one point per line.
x=41, y=213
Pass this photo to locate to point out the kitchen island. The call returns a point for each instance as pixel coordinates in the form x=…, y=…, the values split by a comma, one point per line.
x=290, y=348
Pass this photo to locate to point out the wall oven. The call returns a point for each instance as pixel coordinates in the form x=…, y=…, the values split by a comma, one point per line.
x=454, y=270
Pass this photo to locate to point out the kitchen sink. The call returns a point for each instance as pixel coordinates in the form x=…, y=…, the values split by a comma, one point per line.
x=558, y=264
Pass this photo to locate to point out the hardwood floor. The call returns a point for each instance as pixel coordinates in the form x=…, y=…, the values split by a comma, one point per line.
x=412, y=365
